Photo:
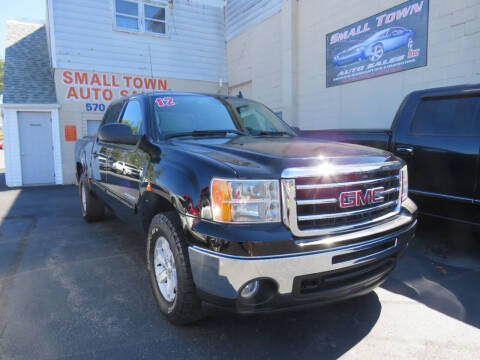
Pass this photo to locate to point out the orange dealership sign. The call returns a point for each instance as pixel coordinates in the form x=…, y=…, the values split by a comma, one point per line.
x=97, y=86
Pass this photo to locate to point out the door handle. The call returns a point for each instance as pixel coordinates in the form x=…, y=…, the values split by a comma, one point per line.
x=405, y=150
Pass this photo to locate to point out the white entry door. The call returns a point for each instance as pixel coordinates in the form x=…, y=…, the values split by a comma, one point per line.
x=36, y=148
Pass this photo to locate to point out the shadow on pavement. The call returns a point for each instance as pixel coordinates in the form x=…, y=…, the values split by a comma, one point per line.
x=442, y=270
x=74, y=290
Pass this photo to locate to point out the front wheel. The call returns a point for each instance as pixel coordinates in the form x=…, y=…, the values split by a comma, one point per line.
x=169, y=268
x=92, y=207
x=377, y=52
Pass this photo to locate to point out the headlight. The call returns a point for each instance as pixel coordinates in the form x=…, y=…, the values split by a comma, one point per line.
x=245, y=201
x=404, y=183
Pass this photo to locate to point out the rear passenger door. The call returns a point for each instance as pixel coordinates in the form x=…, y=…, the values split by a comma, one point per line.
x=441, y=147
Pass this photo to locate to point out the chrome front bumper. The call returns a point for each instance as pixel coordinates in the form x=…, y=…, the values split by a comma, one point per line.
x=224, y=275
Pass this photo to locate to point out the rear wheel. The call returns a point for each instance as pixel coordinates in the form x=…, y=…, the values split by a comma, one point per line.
x=92, y=207
x=170, y=273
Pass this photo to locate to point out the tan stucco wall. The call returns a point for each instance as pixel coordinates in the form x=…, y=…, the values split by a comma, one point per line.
x=261, y=55
x=73, y=112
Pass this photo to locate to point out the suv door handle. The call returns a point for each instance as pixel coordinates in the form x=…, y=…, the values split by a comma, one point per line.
x=405, y=150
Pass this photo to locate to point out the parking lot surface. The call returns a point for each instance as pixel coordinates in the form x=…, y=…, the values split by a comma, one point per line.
x=73, y=290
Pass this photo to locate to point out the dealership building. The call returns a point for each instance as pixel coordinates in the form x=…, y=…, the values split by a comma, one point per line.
x=320, y=65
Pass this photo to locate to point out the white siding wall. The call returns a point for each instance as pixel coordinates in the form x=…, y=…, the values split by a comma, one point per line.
x=11, y=143
x=194, y=48
x=242, y=14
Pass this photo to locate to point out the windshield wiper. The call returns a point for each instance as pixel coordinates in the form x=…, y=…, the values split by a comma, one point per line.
x=274, y=133
x=205, y=133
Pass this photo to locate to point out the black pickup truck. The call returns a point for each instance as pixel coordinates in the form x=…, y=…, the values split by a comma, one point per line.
x=437, y=133
x=238, y=211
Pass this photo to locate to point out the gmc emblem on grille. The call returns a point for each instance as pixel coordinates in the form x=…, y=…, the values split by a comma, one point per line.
x=356, y=198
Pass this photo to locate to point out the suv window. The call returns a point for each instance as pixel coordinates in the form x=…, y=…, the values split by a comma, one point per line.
x=132, y=116
x=447, y=116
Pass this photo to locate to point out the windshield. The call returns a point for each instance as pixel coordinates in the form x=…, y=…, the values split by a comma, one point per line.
x=178, y=114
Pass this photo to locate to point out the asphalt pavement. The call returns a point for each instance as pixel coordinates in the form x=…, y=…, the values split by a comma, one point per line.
x=72, y=290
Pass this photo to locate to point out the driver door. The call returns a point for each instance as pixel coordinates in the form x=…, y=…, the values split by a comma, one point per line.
x=126, y=173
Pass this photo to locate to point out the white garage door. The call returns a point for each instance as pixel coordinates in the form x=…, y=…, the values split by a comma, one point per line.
x=36, y=148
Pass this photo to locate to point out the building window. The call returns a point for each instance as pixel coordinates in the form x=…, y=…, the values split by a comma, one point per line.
x=148, y=18
x=155, y=19
x=126, y=15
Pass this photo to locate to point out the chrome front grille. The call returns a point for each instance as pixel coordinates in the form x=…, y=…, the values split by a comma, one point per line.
x=311, y=197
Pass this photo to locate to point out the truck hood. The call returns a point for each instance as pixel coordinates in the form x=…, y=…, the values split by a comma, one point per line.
x=253, y=157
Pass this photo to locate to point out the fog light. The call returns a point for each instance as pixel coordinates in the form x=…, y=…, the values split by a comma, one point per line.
x=250, y=289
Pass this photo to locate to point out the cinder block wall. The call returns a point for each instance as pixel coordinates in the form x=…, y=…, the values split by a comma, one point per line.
x=453, y=58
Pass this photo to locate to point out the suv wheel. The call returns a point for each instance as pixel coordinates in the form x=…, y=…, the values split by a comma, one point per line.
x=92, y=207
x=169, y=268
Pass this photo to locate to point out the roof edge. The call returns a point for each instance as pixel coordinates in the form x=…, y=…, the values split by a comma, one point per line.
x=29, y=106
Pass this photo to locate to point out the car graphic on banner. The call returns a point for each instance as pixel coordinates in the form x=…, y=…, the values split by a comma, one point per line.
x=377, y=45
x=385, y=43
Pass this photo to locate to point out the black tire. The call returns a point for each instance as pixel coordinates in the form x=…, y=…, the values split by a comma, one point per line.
x=186, y=307
x=93, y=209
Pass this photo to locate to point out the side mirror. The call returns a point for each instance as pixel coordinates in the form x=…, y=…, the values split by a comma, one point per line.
x=116, y=133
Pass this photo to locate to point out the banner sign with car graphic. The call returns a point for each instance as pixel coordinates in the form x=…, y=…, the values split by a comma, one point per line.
x=391, y=41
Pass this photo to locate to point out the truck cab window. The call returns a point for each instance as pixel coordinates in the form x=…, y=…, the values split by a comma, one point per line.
x=447, y=116
x=257, y=118
x=132, y=116
x=112, y=113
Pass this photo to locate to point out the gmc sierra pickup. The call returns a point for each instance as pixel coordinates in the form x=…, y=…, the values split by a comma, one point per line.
x=238, y=211
x=437, y=133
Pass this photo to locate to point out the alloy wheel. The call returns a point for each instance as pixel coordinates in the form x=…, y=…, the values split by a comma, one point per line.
x=84, y=199
x=165, y=270
x=377, y=52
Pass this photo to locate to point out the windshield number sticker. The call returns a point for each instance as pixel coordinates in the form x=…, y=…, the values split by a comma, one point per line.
x=166, y=101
